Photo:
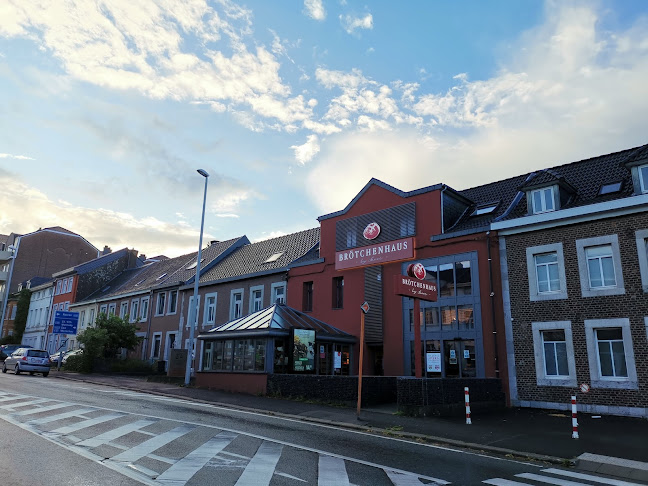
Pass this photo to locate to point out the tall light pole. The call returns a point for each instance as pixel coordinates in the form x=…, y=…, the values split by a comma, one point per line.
x=193, y=310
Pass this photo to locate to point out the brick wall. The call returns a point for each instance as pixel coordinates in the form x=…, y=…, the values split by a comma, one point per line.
x=632, y=305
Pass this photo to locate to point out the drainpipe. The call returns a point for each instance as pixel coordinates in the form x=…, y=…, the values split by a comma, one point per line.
x=492, y=303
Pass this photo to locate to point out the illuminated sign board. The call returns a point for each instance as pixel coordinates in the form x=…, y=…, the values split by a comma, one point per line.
x=418, y=289
x=365, y=256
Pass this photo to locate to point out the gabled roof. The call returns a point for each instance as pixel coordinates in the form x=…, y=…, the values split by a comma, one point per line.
x=255, y=258
x=585, y=177
x=276, y=320
x=96, y=263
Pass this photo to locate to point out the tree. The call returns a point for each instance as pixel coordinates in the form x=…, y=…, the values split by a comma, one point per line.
x=106, y=338
x=24, y=298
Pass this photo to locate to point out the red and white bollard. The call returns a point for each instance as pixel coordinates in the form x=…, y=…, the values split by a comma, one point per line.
x=468, y=421
x=574, y=418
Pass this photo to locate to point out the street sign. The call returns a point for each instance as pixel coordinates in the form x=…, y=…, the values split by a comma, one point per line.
x=65, y=322
x=584, y=387
x=365, y=307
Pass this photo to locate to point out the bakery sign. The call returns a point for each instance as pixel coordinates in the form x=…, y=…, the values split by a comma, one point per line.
x=365, y=256
x=414, y=284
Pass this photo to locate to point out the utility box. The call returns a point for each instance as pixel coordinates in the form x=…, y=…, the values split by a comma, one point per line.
x=177, y=362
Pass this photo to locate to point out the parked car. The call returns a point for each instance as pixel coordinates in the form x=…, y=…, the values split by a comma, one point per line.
x=7, y=349
x=55, y=357
x=28, y=359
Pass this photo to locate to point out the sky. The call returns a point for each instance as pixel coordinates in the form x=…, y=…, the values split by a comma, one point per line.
x=108, y=108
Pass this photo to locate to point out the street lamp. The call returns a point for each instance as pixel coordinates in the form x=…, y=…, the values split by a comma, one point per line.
x=193, y=310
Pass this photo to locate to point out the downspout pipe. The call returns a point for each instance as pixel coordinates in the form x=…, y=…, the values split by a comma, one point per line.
x=492, y=303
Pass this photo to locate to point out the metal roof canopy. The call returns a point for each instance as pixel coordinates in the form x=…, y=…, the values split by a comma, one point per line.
x=276, y=320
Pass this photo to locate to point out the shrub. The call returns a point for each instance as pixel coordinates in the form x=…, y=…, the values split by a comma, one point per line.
x=131, y=366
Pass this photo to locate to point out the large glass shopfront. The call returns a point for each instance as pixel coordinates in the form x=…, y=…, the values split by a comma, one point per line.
x=451, y=326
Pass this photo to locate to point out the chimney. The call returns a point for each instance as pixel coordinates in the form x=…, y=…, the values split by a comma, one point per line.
x=213, y=242
x=106, y=250
x=142, y=257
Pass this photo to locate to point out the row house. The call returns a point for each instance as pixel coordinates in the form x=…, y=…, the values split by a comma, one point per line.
x=38, y=254
x=574, y=245
x=40, y=307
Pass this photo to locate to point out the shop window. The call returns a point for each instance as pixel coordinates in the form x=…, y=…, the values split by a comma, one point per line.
x=446, y=280
x=610, y=353
x=281, y=359
x=448, y=317
x=465, y=316
x=463, y=277
x=307, y=297
x=338, y=292
x=431, y=316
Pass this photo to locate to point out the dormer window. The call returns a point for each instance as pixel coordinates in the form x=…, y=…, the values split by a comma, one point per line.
x=610, y=188
x=542, y=200
x=643, y=178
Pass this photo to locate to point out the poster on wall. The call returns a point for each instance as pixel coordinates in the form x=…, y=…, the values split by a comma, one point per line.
x=337, y=360
x=433, y=362
x=303, y=350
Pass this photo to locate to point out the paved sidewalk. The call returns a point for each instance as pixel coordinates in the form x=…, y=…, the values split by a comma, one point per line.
x=539, y=434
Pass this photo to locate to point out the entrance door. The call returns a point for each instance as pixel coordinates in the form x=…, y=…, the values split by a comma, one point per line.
x=459, y=357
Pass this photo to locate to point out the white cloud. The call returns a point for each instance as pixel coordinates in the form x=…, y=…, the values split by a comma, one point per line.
x=351, y=23
x=17, y=157
x=305, y=153
x=315, y=9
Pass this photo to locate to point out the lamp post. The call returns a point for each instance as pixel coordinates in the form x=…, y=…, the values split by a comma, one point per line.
x=193, y=310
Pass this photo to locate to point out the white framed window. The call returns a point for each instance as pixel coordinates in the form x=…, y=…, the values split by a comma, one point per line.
x=171, y=343
x=144, y=305
x=643, y=178
x=156, y=345
x=64, y=286
x=111, y=309
x=59, y=283
x=103, y=309
x=642, y=254
x=236, y=304
x=91, y=317
x=278, y=292
x=123, y=310
x=160, y=303
x=256, y=298
x=599, y=266
x=542, y=200
x=69, y=285
x=134, y=316
x=554, y=353
x=190, y=308
x=610, y=353
x=209, y=313
x=546, y=272
x=173, y=302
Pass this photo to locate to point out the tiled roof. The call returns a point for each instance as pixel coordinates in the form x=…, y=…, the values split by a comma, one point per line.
x=102, y=260
x=312, y=256
x=585, y=177
x=254, y=257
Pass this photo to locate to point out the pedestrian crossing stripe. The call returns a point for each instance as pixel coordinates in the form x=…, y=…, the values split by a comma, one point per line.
x=537, y=478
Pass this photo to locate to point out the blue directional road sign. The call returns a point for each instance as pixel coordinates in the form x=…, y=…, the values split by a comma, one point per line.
x=65, y=322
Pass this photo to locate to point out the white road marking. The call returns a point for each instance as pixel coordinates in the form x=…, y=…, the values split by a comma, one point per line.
x=47, y=408
x=135, y=453
x=260, y=469
x=53, y=418
x=68, y=429
x=115, y=433
x=504, y=482
x=183, y=470
x=589, y=477
x=332, y=472
x=400, y=479
x=15, y=397
x=24, y=403
x=548, y=480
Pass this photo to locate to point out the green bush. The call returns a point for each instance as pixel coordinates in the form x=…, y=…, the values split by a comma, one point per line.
x=131, y=366
x=78, y=363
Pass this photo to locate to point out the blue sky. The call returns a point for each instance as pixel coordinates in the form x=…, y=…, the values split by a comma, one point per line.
x=109, y=107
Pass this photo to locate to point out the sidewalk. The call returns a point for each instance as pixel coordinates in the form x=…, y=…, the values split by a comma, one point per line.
x=538, y=434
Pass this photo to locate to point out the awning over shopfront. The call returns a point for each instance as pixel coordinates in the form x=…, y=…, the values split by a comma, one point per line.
x=276, y=321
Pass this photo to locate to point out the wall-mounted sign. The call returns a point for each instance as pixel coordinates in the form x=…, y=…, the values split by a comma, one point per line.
x=418, y=289
x=366, y=256
x=372, y=231
x=303, y=350
x=416, y=270
x=433, y=362
x=337, y=360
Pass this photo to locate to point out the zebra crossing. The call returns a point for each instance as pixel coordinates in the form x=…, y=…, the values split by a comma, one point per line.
x=160, y=451
x=559, y=477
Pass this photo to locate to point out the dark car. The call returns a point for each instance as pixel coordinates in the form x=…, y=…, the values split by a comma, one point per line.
x=7, y=349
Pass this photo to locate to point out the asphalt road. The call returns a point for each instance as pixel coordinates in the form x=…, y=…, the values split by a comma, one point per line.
x=59, y=432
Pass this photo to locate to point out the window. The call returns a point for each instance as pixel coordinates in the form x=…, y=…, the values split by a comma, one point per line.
x=542, y=200
x=144, y=309
x=236, y=304
x=58, y=286
x=643, y=178
x=111, y=309
x=103, y=309
x=278, y=293
x=274, y=257
x=610, y=353
x=554, y=353
x=546, y=272
x=256, y=298
x=159, y=307
x=407, y=225
x=123, y=310
x=338, y=292
x=610, y=188
x=351, y=240
x=69, y=286
x=234, y=355
x=191, y=309
x=173, y=301
x=307, y=297
x=209, y=315
x=599, y=265
x=67, y=306
x=480, y=210
x=134, y=316
x=155, y=348
x=91, y=318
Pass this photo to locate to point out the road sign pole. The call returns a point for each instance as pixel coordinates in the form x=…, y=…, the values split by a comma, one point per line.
x=364, y=308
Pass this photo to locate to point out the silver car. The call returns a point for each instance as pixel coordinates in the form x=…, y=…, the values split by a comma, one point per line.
x=28, y=359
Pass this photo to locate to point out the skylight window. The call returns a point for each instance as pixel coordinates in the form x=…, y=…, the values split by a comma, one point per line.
x=484, y=210
x=274, y=257
x=141, y=281
x=195, y=264
x=610, y=188
x=161, y=276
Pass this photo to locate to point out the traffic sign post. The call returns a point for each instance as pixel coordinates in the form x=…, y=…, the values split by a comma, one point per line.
x=364, y=308
x=65, y=322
